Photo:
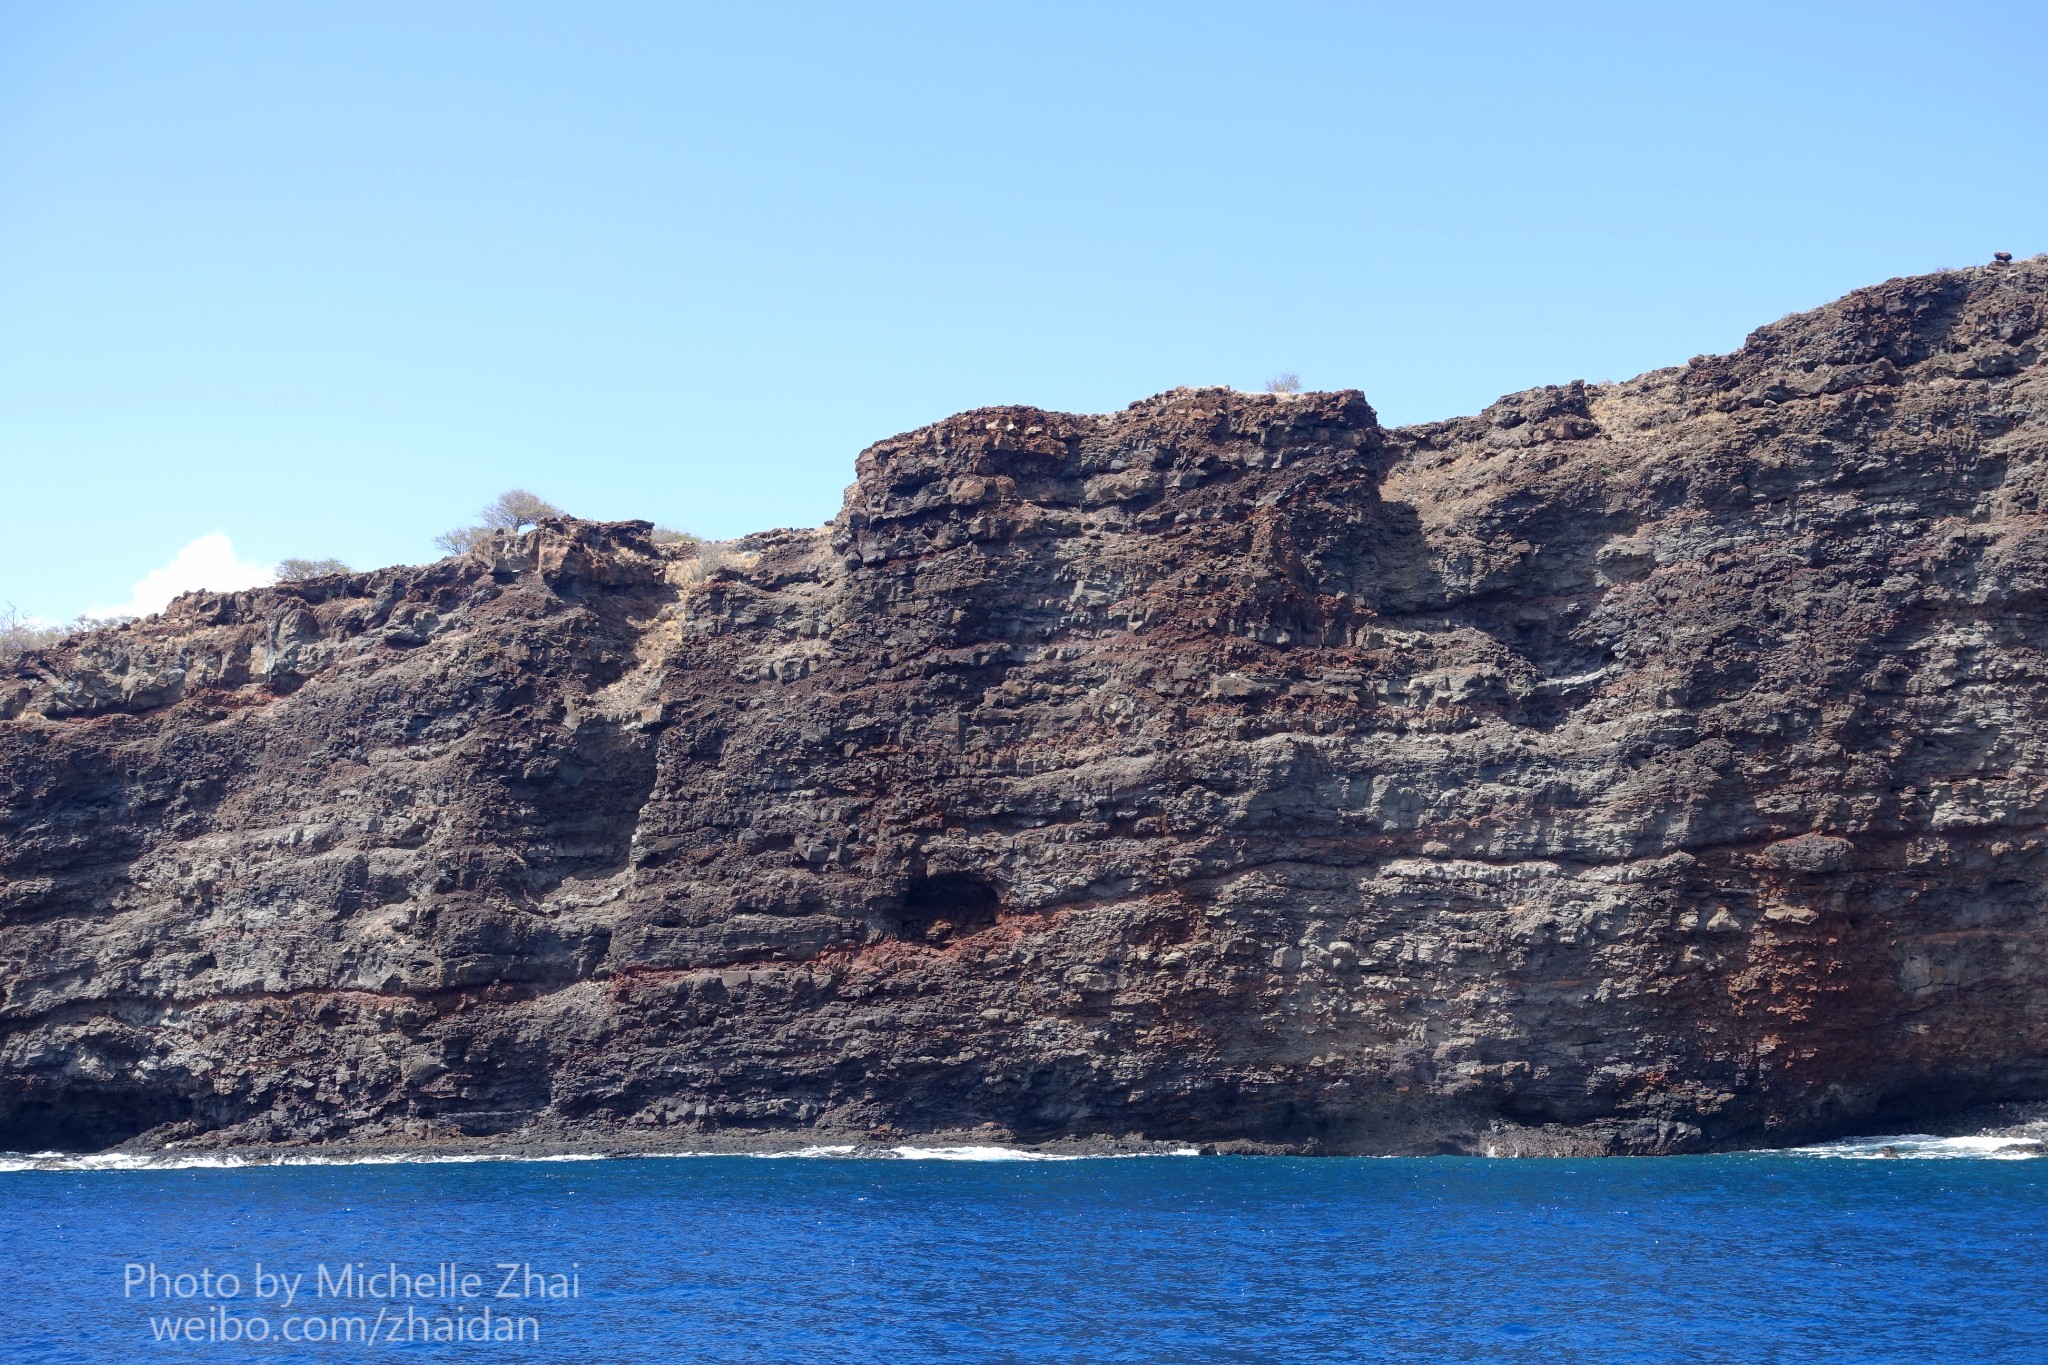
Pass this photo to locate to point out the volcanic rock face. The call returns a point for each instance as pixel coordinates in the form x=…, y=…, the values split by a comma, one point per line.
x=1639, y=767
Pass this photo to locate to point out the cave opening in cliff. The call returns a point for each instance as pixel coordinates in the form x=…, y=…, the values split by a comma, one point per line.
x=939, y=909
x=92, y=1121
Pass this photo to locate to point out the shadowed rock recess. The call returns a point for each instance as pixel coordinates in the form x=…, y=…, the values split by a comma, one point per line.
x=1642, y=767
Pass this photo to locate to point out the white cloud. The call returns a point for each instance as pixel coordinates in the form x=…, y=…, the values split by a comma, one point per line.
x=208, y=562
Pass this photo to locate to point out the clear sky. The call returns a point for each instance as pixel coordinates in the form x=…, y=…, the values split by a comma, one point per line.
x=321, y=278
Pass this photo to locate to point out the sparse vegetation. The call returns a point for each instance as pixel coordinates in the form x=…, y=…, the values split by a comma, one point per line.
x=511, y=510
x=516, y=508
x=299, y=570
x=1287, y=381
x=669, y=536
x=713, y=555
x=19, y=634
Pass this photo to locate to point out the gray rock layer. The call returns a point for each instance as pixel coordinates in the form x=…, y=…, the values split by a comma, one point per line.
x=1644, y=767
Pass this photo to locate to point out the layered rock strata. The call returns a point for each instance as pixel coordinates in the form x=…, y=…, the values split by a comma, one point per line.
x=1642, y=767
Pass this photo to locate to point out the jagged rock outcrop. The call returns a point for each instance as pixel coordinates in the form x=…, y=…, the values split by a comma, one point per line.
x=1651, y=766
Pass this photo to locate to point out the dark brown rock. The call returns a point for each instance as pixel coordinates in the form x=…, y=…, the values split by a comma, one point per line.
x=1653, y=766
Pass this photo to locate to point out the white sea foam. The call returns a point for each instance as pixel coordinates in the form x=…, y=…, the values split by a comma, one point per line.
x=848, y=1150
x=1017, y=1154
x=973, y=1154
x=189, y=1161
x=1926, y=1147
x=409, y=1159
x=183, y=1161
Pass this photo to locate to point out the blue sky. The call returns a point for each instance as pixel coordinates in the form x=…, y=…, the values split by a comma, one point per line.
x=320, y=279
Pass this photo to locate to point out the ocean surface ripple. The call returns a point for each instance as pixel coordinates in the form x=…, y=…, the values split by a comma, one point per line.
x=1836, y=1252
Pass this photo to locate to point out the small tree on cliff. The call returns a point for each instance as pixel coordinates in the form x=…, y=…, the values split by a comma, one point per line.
x=19, y=634
x=1287, y=382
x=517, y=508
x=299, y=570
x=511, y=510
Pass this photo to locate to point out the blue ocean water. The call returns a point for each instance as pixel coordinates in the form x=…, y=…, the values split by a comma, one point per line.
x=1751, y=1258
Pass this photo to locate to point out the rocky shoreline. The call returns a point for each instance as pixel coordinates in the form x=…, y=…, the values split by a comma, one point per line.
x=2019, y=1130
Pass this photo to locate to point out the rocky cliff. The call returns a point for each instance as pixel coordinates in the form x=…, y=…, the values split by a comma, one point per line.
x=1651, y=766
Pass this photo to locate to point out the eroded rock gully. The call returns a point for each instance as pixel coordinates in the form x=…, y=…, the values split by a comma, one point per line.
x=1641, y=767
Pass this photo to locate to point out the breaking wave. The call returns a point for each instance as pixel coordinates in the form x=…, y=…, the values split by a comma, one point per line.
x=1014, y=1154
x=1927, y=1147
x=186, y=1161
